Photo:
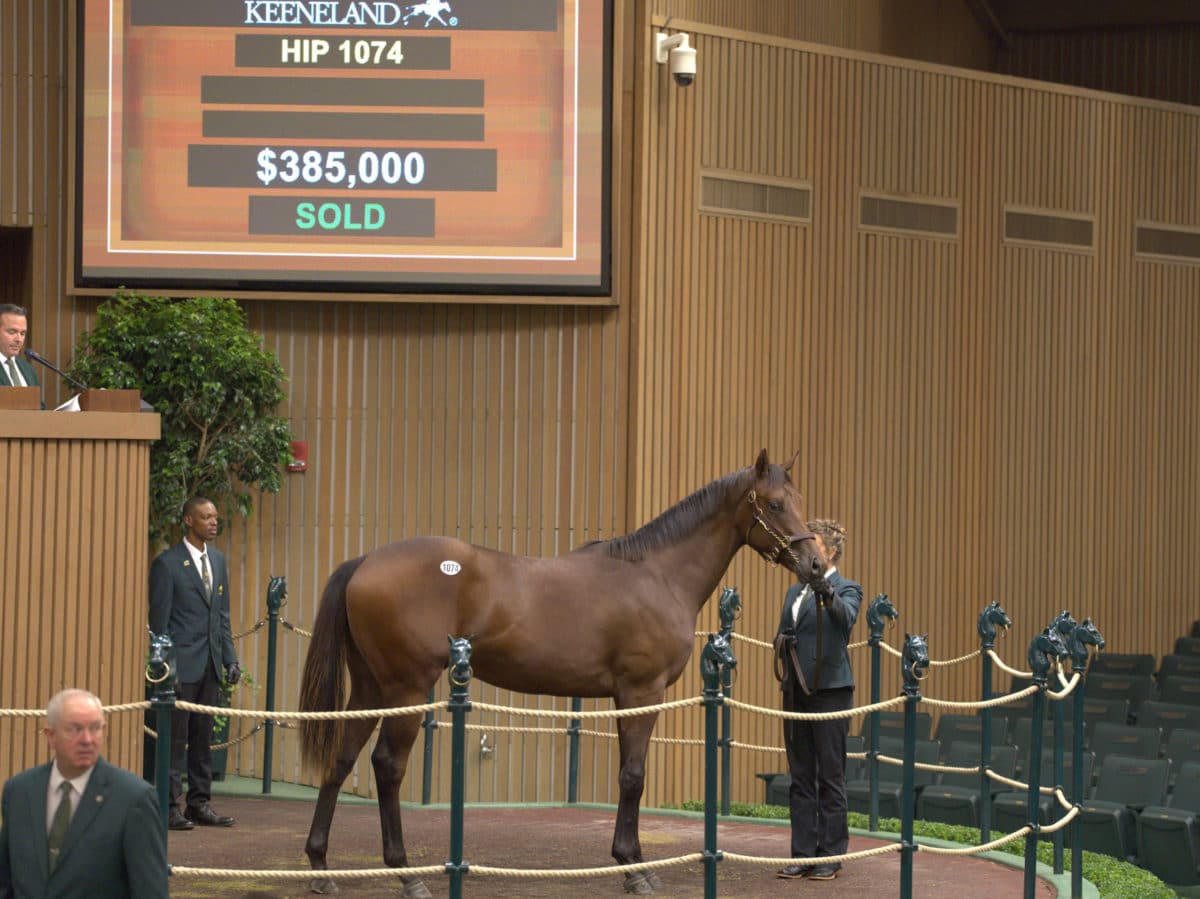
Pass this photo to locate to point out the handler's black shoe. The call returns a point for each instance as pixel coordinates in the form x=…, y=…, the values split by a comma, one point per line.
x=824, y=872
x=206, y=817
x=794, y=872
x=176, y=821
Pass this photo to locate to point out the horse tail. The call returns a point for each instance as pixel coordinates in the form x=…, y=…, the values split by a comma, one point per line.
x=323, y=686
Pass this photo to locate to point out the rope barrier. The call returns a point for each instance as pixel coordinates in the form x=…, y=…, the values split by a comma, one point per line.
x=825, y=859
x=936, y=663
x=108, y=709
x=255, y=628
x=292, y=627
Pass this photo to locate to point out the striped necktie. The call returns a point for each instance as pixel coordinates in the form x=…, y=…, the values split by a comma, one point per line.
x=14, y=376
x=58, y=827
x=205, y=574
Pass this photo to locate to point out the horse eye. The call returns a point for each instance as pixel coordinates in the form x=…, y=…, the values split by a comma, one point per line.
x=775, y=505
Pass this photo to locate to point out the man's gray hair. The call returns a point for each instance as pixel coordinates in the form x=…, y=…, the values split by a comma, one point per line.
x=54, y=708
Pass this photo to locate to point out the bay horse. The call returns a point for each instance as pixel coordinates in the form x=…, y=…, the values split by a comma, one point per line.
x=613, y=618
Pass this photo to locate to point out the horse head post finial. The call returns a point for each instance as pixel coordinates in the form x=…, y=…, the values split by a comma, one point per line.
x=160, y=665
x=716, y=656
x=879, y=609
x=460, y=664
x=914, y=661
x=730, y=609
x=1045, y=649
x=1083, y=636
x=993, y=616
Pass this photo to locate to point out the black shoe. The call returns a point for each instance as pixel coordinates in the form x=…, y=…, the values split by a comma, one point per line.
x=824, y=872
x=176, y=821
x=206, y=817
x=794, y=872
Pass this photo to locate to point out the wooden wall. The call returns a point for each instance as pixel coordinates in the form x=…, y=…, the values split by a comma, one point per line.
x=1162, y=62
x=988, y=417
x=991, y=419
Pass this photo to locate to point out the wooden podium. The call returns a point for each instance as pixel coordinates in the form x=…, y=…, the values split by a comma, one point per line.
x=20, y=398
x=74, y=553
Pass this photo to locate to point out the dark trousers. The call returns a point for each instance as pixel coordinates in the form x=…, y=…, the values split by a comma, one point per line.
x=191, y=735
x=816, y=754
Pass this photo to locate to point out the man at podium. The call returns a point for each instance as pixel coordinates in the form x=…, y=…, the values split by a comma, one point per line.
x=14, y=324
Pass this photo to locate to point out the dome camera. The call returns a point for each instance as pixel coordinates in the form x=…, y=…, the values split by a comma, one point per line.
x=683, y=66
x=681, y=56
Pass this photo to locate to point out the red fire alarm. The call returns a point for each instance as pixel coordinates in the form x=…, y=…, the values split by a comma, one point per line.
x=299, y=461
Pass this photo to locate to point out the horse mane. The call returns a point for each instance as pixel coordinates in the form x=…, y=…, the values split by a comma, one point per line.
x=676, y=522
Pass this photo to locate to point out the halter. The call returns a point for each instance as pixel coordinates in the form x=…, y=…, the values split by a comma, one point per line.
x=782, y=544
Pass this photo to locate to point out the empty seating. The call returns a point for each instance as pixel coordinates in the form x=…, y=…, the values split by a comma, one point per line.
x=1020, y=736
x=952, y=728
x=1130, y=664
x=1009, y=808
x=1179, y=689
x=1187, y=646
x=1125, y=739
x=1108, y=821
x=1181, y=748
x=1188, y=666
x=1168, y=836
x=1136, y=688
x=1167, y=716
x=891, y=724
x=858, y=792
x=1115, y=711
x=956, y=798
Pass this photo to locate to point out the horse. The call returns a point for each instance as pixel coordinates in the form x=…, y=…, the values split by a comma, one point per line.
x=993, y=616
x=612, y=618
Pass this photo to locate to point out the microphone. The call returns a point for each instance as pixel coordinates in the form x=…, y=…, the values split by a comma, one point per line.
x=39, y=358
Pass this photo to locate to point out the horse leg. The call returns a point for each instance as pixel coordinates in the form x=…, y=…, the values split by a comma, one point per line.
x=390, y=759
x=356, y=732
x=634, y=736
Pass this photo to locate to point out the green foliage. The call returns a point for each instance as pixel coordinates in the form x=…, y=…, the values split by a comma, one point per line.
x=1111, y=877
x=215, y=387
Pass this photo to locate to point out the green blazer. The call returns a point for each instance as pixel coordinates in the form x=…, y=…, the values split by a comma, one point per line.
x=115, y=847
x=27, y=373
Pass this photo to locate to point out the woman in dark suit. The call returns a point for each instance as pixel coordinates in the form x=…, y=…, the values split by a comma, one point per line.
x=811, y=643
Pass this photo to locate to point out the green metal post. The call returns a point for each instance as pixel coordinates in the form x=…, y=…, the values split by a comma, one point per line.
x=163, y=703
x=713, y=659
x=877, y=610
x=1044, y=649
x=1077, y=793
x=430, y=725
x=912, y=696
x=573, y=762
x=276, y=591
x=993, y=615
x=459, y=705
x=726, y=741
x=1055, y=808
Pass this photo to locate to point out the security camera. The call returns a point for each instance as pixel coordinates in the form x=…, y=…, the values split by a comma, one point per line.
x=682, y=57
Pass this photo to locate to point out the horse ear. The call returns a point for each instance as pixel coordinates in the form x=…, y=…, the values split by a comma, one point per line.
x=760, y=466
x=907, y=635
x=925, y=636
x=791, y=462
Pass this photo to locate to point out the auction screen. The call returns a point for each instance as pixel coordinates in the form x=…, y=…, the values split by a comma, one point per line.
x=343, y=146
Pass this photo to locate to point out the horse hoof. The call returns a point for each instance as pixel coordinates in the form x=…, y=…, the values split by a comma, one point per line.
x=323, y=885
x=416, y=890
x=638, y=883
x=652, y=880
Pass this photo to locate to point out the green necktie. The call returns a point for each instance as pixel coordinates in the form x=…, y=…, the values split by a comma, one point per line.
x=204, y=574
x=13, y=377
x=62, y=820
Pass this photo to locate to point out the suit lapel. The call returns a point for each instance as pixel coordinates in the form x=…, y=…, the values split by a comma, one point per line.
x=36, y=815
x=197, y=579
x=27, y=372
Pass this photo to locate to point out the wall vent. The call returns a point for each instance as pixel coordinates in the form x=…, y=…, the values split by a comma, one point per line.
x=1057, y=229
x=727, y=193
x=1167, y=242
x=936, y=218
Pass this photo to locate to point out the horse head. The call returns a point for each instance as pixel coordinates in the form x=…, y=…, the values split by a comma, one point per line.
x=880, y=608
x=1046, y=648
x=160, y=663
x=993, y=616
x=730, y=608
x=717, y=654
x=460, y=660
x=771, y=519
x=914, y=659
x=1084, y=634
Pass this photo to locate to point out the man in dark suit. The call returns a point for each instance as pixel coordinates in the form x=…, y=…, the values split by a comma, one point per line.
x=77, y=826
x=814, y=668
x=14, y=325
x=189, y=599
